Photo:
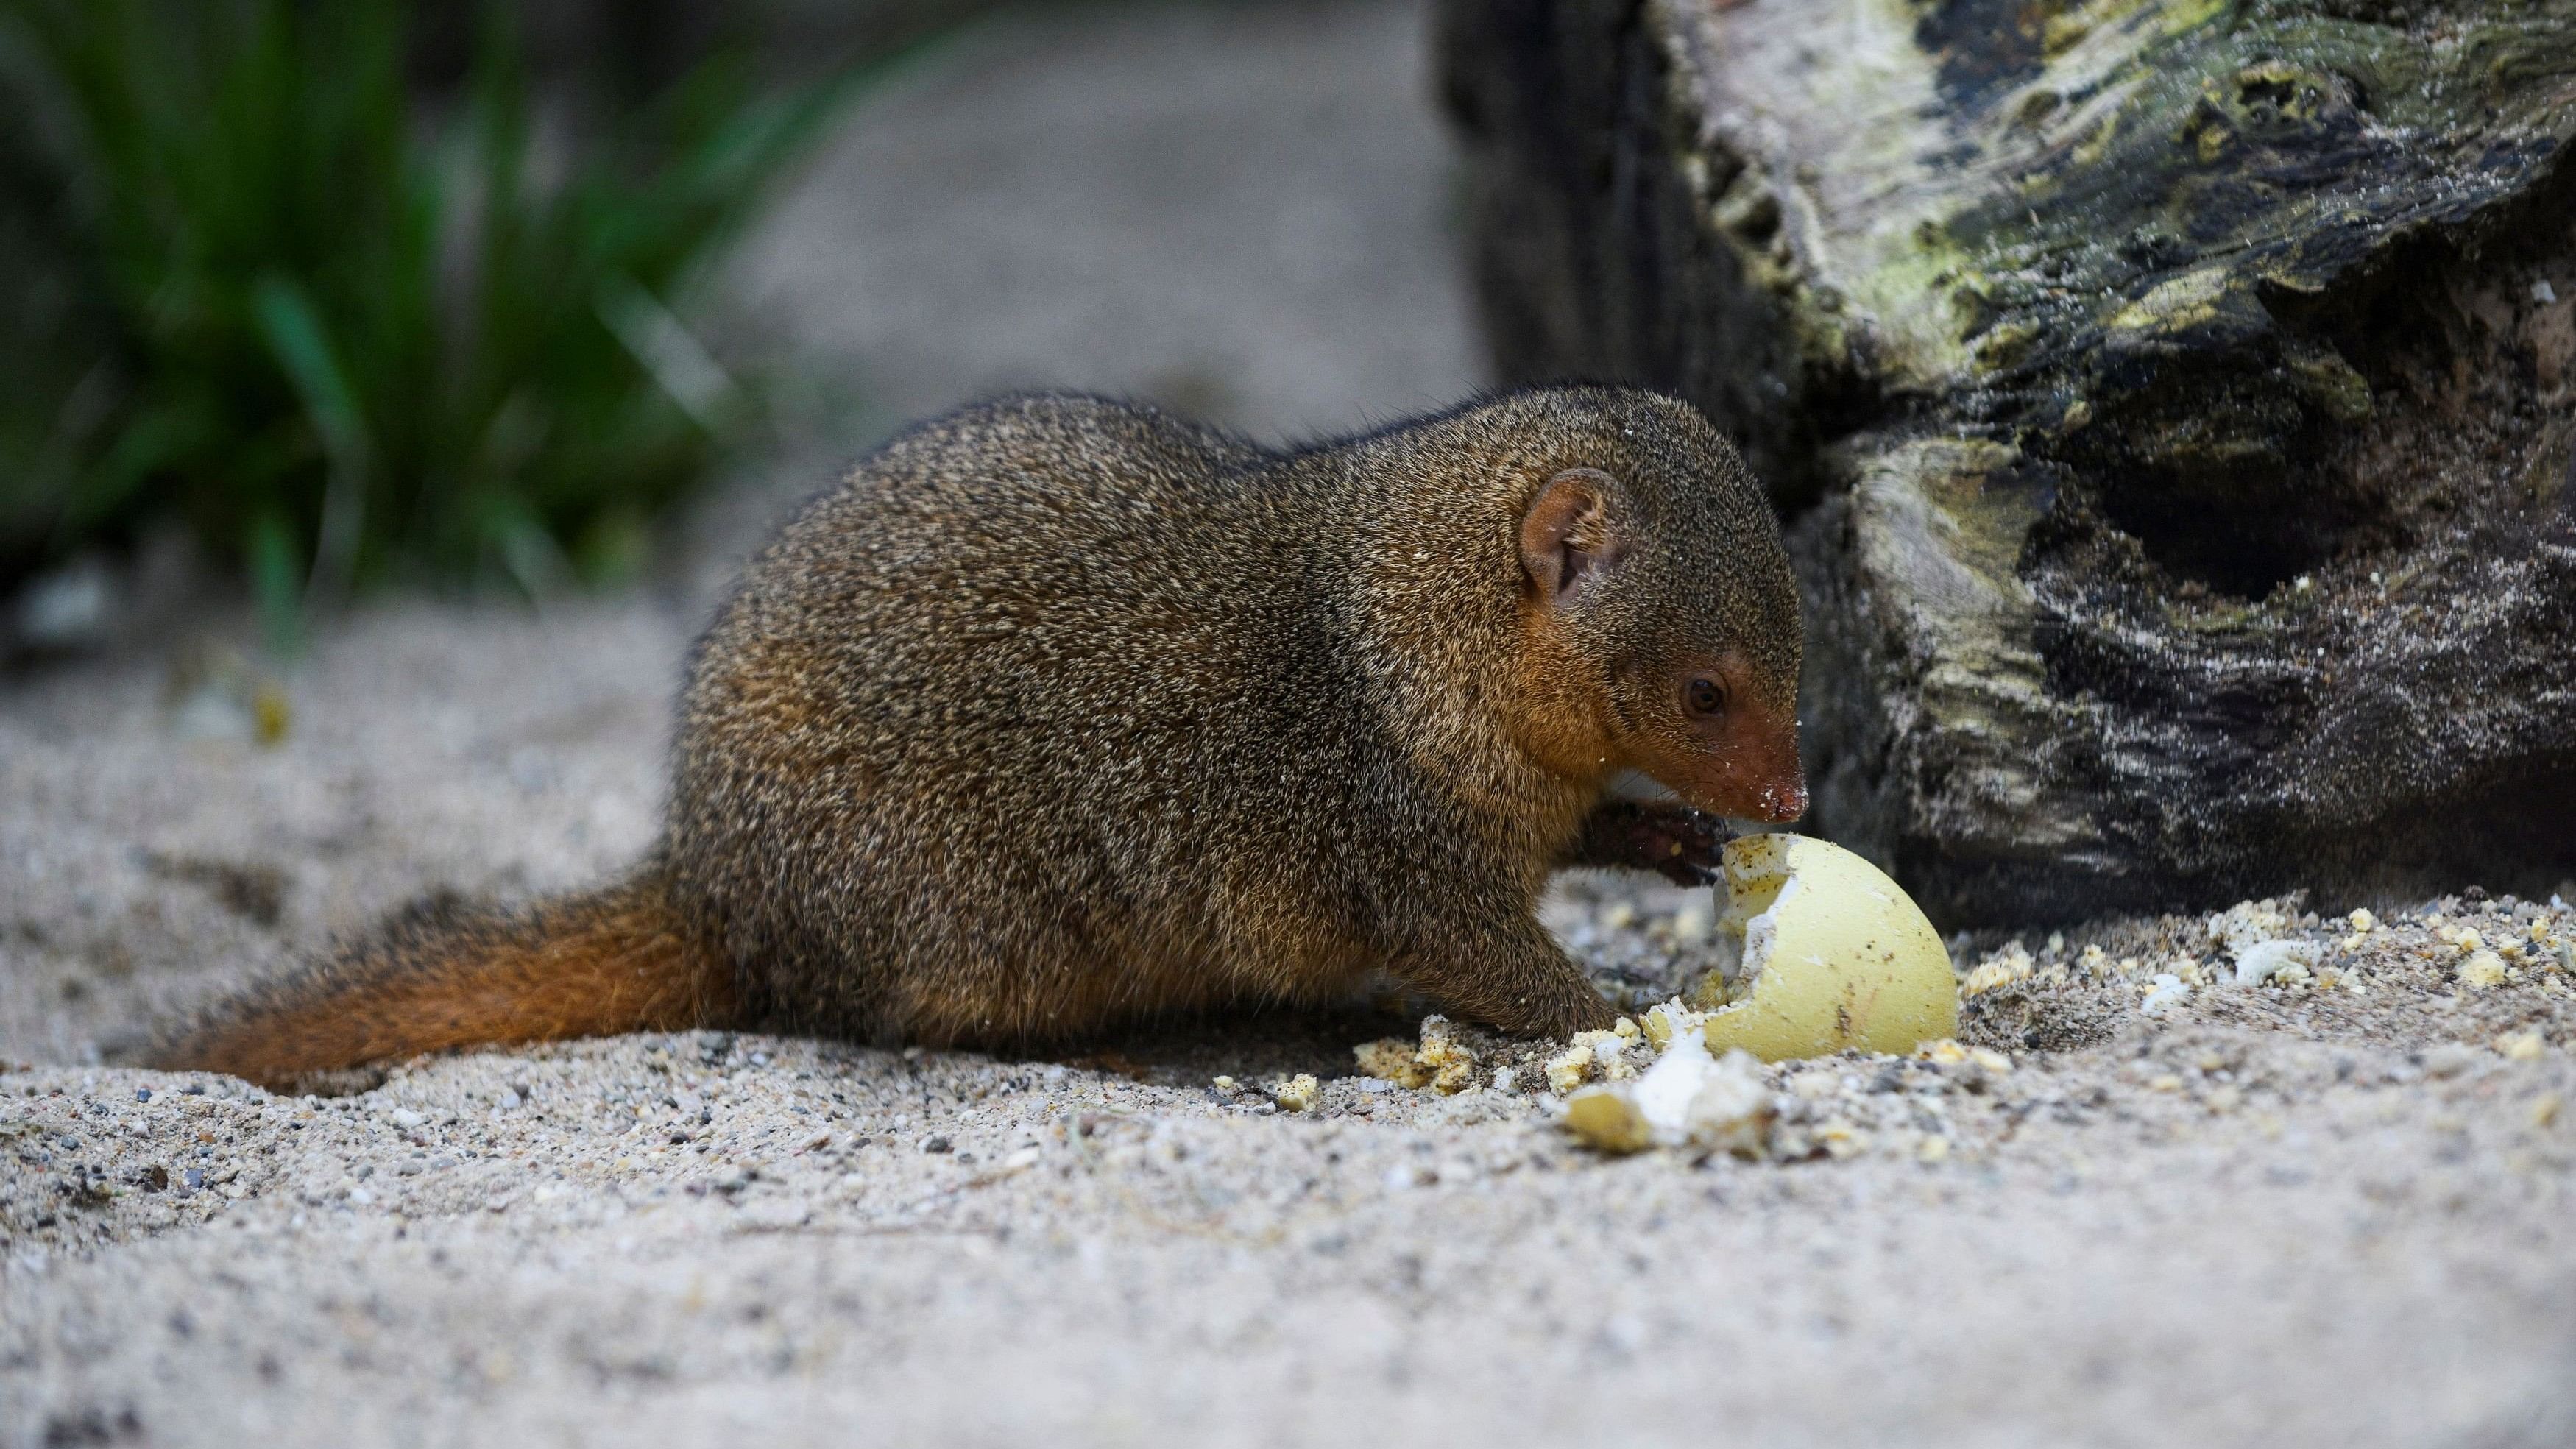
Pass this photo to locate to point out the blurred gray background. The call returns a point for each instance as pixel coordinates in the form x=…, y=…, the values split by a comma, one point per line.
x=1243, y=211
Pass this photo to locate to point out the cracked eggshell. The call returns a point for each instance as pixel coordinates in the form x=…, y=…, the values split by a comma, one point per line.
x=1835, y=955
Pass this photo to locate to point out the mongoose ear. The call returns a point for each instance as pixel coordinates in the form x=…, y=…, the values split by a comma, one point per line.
x=1566, y=536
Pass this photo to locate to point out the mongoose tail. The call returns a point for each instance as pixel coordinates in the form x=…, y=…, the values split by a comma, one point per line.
x=444, y=975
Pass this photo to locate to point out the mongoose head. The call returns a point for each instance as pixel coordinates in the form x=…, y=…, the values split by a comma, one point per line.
x=1659, y=601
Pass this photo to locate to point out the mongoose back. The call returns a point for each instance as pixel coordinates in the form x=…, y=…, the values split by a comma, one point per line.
x=1060, y=712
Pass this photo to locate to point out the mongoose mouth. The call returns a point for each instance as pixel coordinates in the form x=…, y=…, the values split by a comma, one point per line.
x=1773, y=804
x=1746, y=768
x=1778, y=802
x=1758, y=773
x=1641, y=787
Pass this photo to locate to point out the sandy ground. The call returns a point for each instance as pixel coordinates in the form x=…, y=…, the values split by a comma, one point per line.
x=2324, y=1210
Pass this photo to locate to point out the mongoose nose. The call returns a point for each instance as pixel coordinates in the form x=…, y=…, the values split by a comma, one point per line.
x=1784, y=803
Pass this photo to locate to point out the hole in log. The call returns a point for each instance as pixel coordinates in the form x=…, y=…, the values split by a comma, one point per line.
x=2242, y=536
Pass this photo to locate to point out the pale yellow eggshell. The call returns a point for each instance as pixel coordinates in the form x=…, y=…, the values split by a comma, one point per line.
x=1851, y=961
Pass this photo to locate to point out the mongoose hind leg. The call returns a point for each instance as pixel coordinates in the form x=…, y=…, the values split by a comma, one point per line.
x=1673, y=840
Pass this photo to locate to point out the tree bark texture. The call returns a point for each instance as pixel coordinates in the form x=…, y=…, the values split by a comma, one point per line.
x=2170, y=401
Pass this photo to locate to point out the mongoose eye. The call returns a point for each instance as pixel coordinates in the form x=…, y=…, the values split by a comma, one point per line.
x=1705, y=696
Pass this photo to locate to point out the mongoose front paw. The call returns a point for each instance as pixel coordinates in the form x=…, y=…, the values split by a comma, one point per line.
x=1674, y=841
x=1576, y=1016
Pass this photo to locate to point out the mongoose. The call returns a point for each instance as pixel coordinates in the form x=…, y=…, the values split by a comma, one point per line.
x=1060, y=712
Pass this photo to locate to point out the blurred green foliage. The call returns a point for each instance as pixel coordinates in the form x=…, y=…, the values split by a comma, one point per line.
x=345, y=333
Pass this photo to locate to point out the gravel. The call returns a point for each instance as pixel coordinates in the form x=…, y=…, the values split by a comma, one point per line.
x=2274, y=1210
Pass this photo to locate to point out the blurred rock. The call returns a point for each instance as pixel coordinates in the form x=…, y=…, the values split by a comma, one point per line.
x=70, y=610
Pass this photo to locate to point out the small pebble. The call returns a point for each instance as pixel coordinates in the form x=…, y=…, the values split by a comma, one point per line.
x=2449, y=1060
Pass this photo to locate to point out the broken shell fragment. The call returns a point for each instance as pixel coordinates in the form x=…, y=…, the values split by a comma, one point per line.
x=1607, y=1118
x=2264, y=960
x=2483, y=969
x=1595, y=1056
x=1833, y=955
x=1567, y=1070
x=1687, y=1097
x=1299, y=1093
x=1441, y=1062
x=1390, y=1059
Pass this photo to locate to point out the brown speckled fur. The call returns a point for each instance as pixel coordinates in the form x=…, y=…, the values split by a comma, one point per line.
x=1060, y=712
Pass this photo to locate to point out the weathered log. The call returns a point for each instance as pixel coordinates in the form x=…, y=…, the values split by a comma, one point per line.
x=2171, y=403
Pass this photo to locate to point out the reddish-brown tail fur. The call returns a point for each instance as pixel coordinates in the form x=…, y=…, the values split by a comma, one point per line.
x=445, y=975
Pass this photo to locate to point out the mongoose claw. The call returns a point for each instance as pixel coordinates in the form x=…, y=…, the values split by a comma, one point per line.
x=1691, y=842
x=1674, y=841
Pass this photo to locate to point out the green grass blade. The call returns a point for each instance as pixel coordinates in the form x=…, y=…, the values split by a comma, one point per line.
x=275, y=561
x=345, y=342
